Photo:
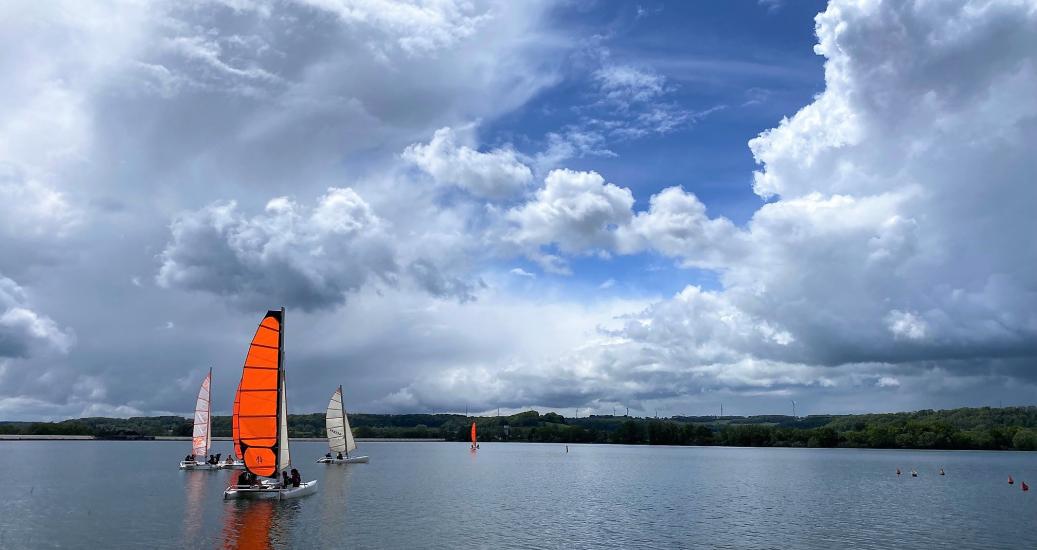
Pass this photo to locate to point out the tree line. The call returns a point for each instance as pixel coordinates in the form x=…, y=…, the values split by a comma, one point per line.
x=1011, y=428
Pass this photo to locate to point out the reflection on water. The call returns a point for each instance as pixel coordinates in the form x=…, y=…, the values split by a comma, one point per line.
x=246, y=524
x=425, y=495
x=194, y=508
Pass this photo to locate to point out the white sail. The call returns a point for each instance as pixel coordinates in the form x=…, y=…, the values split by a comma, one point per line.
x=350, y=442
x=202, y=421
x=285, y=460
x=340, y=437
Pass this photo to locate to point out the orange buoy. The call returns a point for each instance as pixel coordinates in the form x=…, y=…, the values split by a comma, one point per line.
x=1010, y=480
x=1025, y=486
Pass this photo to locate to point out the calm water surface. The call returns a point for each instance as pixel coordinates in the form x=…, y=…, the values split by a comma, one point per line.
x=80, y=494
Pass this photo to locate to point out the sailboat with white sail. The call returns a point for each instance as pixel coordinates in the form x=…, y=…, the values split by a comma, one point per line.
x=201, y=433
x=340, y=436
x=261, y=416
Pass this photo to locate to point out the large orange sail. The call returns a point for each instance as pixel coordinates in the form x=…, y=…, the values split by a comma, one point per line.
x=259, y=400
x=473, y=434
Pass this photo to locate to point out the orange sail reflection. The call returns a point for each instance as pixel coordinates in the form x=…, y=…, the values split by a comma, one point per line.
x=246, y=525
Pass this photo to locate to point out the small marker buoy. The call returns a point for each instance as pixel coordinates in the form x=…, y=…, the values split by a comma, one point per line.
x=1025, y=486
x=1010, y=480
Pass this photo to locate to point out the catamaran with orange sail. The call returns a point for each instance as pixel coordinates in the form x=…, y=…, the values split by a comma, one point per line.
x=261, y=416
x=340, y=437
x=200, y=435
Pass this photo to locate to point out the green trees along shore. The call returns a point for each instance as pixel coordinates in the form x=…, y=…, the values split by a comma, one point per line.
x=1011, y=428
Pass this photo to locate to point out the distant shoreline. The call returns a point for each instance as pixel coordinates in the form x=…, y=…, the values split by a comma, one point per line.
x=18, y=437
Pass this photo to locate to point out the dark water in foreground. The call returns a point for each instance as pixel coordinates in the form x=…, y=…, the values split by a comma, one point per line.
x=131, y=495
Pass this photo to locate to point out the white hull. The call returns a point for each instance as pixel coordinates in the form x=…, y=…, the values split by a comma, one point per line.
x=237, y=465
x=267, y=492
x=196, y=466
x=350, y=460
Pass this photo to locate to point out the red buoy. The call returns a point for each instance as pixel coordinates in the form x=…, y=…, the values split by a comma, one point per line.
x=1010, y=480
x=1025, y=486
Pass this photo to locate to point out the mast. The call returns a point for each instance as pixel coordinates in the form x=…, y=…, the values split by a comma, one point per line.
x=208, y=420
x=341, y=409
x=280, y=391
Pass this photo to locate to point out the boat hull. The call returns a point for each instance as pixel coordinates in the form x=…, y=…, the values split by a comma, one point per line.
x=350, y=460
x=231, y=465
x=267, y=492
x=196, y=466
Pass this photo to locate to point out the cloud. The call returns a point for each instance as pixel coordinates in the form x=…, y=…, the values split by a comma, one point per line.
x=904, y=324
x=311, y=257
x=676, y=225
x=576, y=211
x=894, y=241
x=497, y=174
x=23, y=330
x=624, y=84
x=417, y=29
x=34, y=209
x=893, y=252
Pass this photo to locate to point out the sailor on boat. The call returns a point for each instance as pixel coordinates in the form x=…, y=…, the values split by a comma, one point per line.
x=338, y=457
x=296, y=478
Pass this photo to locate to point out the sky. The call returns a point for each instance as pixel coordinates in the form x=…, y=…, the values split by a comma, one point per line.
x=574, y=206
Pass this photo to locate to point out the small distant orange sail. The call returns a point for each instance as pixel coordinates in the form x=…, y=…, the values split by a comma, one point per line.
x=256, y=414
x=473, y=434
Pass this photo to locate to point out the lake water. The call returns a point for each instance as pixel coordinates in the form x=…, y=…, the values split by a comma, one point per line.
x=96, y=494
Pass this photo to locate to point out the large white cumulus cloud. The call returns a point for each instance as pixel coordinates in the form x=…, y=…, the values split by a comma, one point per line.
x=496, y=174
x=895, y=254
x=901, y=233
x=310, y=257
